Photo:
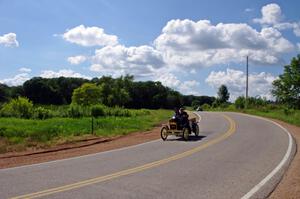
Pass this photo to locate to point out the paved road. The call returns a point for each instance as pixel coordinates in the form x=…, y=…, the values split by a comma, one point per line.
x=234, y=154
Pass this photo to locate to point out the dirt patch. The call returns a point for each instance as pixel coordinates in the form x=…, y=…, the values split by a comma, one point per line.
x=289, y=187
x=83, y=147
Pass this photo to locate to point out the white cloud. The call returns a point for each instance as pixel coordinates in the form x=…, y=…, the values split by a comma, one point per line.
x=186, y=43
x=259, y=84
x=298, y=45
x=16, y=80
x=75, y=60
x=62, y=73
x=171, y=81
x=289, y=25
x=25, y=70
x=89, y=36
x=271, y=14
x=120, y=60
x=189, y=87
x=249, y=10
x=9, y=40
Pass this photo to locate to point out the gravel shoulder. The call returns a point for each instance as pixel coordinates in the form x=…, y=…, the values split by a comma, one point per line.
x=289, y=187
x=77, y=149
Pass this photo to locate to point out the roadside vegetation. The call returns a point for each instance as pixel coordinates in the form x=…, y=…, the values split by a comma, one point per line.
x=44, y=112
x=286, y=90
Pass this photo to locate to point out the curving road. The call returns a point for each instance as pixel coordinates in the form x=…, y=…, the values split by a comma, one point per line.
x=237, y=156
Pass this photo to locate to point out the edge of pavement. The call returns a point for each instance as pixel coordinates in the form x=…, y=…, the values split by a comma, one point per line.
x=268, y=184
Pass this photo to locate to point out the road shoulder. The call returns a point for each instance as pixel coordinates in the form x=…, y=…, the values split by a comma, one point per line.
x=289, y=186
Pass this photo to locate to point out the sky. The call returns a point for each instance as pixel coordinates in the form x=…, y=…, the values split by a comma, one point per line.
x=192, y=46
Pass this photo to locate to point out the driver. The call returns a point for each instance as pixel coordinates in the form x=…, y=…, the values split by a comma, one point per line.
x=184, y=118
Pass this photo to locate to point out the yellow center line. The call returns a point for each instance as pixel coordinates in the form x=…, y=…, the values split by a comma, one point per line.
x=79, y=184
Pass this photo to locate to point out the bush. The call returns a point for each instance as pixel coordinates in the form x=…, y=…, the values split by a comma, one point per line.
x=42, y=113
x=240, y=102
x=20, y=108
x=98, y=110
x=205, y=107
x=76, y=111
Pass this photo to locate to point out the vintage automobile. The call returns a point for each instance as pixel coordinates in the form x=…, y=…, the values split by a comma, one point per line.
x=173, y=128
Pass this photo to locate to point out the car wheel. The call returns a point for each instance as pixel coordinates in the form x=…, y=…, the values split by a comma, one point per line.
x=186, y=134
x=164, y=133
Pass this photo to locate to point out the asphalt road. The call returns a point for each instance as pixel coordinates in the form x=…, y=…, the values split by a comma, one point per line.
x=237, y=156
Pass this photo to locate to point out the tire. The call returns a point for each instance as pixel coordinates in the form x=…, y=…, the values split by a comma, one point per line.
x=185, y=134
x=164, y=133
x=196, y=130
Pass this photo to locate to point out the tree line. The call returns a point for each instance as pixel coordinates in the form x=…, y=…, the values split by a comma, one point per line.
x=122, y=92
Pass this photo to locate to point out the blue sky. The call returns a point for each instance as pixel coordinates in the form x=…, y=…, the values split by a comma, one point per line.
x=191, y=46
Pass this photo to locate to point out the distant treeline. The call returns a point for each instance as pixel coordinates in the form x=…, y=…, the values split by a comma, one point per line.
x=122, y=91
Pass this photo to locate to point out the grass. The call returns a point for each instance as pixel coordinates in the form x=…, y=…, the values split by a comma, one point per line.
x=292, y=117
x=21, y=133
x=287, y=115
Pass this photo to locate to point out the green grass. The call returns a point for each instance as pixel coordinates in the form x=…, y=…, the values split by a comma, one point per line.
x=29, y=132
x=293, y=117
x=287, y=115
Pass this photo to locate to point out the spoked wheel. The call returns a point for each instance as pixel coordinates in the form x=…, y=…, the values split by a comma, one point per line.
x=186, y=134
x=196, y=130
x=164, y=133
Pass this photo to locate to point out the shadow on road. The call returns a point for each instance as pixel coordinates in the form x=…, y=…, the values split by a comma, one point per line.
x=191, y=138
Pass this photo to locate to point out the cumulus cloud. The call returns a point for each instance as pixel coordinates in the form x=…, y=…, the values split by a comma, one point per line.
x=17, y=80
x=120, y=60
x=9, y=40
x=25, y=70
x=196, y=44
x=89, y=36
x=271, y=14
x=260, y=84
x=62, y=73
x=75, y=60
x=186, y=87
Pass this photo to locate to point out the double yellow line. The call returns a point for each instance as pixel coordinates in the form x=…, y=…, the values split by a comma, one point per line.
x=84, y=183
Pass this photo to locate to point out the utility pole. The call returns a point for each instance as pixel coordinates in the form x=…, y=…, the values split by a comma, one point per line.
x=247, y=74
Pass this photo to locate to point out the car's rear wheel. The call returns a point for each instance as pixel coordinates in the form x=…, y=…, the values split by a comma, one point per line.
x=186, y=134
x=196, y=130
x=164, y=133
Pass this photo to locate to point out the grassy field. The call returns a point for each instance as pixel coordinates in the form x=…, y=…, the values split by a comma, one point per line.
x=17, y=134
x=292, y=117
x=286, y=115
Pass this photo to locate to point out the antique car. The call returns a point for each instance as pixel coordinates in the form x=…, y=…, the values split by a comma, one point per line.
x=174, y=128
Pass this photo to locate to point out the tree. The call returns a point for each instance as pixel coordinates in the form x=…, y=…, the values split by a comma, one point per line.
x=223, y=94
x=20, y=107
x=286, y=88
x=87, y=94
x=4, y=93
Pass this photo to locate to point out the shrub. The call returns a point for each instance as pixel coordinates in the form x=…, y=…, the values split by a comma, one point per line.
x=240, y=102
x=42, y=113
x=98, y=110
x=20, y=108
x=205, y=107
x=288, y=111
x=75, y=111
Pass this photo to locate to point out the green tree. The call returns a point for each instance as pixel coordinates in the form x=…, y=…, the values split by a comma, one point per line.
x=4, y=92
x=240, y=102
x=286, y=88
x=20, y=107
x=223, y=94
x=87, y=94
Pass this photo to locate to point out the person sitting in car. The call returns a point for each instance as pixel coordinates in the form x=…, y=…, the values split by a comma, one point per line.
x=184, y=119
